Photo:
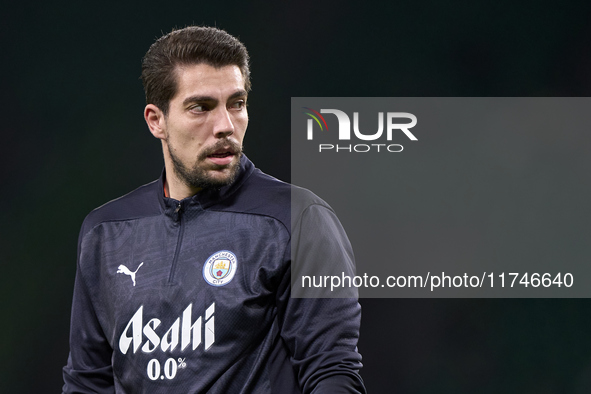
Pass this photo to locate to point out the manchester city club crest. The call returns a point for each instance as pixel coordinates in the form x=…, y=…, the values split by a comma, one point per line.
x=220, y=268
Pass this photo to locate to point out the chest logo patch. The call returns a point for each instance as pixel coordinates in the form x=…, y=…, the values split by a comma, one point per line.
x=220, y=268
x=124, y=270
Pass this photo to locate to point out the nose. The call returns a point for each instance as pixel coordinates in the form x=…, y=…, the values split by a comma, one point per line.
x=223, y=126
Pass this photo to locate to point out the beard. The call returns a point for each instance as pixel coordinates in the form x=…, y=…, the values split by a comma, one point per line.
x=198, y=176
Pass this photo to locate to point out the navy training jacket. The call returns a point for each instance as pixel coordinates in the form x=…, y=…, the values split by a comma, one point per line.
x=193, y=296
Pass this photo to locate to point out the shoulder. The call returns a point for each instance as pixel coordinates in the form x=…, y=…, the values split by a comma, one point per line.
x=141, y=202
x=262, y=194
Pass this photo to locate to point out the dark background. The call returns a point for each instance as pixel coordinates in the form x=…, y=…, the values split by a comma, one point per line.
x=74, y=137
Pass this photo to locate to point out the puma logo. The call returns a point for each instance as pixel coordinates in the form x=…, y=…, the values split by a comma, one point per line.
x=124, y=270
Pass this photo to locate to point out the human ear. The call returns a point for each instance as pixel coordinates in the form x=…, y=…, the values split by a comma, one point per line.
x=155, y=120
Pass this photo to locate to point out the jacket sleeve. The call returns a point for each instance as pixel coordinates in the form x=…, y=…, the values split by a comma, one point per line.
x=89, y=364
x=320, y=332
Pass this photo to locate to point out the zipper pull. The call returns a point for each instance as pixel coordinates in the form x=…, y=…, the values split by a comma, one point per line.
x=177, y=212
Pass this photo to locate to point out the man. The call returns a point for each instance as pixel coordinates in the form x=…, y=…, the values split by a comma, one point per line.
x=183, y=285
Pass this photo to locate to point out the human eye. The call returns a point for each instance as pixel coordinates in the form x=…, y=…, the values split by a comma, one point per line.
x=198, y=108
x=239, y=104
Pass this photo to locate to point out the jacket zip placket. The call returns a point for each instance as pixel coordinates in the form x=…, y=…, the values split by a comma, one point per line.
x=179, y=212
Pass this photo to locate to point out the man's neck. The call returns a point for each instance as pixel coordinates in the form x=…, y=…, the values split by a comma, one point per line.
x=175, y=188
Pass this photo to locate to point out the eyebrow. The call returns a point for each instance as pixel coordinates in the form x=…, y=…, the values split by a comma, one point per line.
x=205, y=99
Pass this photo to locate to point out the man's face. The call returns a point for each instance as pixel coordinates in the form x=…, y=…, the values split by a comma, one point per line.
x=205, y=125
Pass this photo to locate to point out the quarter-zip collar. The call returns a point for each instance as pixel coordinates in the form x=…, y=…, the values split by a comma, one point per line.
x=206, y=197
